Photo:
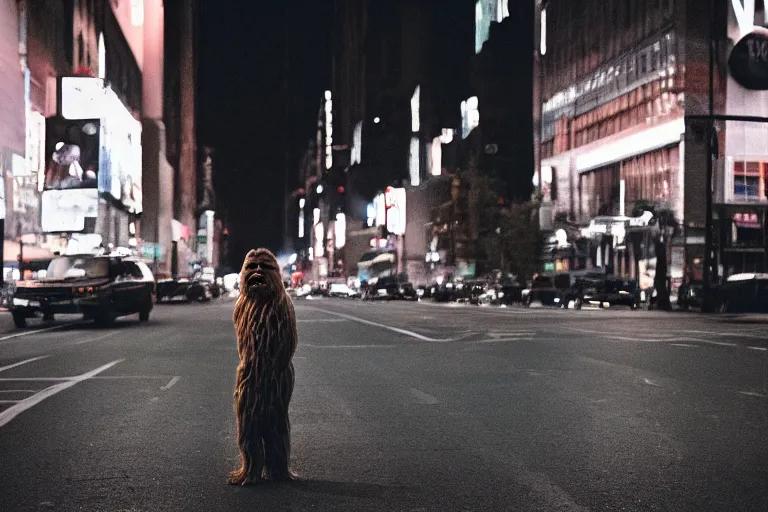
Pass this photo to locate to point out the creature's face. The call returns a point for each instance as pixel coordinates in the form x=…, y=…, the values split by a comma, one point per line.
x=260, y=275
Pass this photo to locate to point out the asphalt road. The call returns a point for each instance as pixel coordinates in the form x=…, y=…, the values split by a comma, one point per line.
x=397, y=407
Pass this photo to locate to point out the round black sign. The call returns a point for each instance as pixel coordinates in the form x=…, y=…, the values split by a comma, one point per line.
x=748, y=61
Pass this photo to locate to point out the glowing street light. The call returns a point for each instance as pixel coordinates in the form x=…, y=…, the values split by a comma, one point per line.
x=376, y=119
x=319, y=189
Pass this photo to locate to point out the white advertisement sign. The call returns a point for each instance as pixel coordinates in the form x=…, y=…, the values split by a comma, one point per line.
x=395, y=205
x=66, y=210
x=120, y=133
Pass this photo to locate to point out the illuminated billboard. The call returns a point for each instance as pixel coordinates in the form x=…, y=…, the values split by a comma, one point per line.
x=486, y=12
x=65, y=211
x=395, y=206
x=72, y=153
x=119, y=136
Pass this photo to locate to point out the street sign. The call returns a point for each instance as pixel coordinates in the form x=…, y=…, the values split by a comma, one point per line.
x=152, y=250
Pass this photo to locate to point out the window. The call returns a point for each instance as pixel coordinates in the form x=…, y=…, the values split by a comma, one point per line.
x=749, y=180
x=80, y=50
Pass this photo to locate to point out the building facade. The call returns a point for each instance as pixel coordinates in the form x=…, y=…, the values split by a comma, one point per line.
x=627, y=97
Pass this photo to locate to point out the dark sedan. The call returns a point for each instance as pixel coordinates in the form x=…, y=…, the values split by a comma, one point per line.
x=101, y=288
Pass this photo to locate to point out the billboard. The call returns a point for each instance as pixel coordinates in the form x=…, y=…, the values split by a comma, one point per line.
x=72, y=152
x=65, y=211
x=395, y=206
x=119, y=136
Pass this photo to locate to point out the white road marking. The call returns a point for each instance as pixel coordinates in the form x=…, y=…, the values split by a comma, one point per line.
x=10, y=413
x=18, y=390
x=9, y=401
x=382, y=326
x=321, y=320
x=644, y=340
x=735, y=334
x=719, y=343
x=33, y=379
x=504, y=334
x=502, y=340
x=171, y=383
x=752, y=393
x=35, y=331
x=651, y=383
x=348, y=346
x=97, y=338
x=423, y=398
x=762, y=349
x=140, y=377
x=683, y=345
x=14, y=365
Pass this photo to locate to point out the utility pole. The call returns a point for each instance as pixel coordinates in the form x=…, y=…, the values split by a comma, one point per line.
x=710, y=154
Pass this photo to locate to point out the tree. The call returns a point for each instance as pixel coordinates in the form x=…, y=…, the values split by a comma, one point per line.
x=515, y=244
x=480, y=225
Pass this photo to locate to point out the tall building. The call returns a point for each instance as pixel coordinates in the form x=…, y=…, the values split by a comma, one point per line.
x=641, y=101
x=377, y=155
x=143, y=25
x=19, y=201
x=83, y=150
x=179, y=114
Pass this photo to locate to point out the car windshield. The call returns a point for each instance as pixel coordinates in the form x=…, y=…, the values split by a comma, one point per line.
x=71, y=267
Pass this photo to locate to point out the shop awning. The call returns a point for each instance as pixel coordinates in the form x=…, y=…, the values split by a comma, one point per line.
x=31, y=252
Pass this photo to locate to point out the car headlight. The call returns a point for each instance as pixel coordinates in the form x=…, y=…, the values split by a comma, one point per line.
x=20, y=302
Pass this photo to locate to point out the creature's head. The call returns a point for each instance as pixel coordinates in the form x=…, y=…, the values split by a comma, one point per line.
x=260, y=275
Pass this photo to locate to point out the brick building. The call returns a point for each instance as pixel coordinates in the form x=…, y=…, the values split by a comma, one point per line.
x=624, y=110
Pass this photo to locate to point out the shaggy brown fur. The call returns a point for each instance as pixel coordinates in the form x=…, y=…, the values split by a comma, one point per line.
x=265, y=324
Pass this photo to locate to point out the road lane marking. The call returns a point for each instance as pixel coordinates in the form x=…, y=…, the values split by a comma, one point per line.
x=423, y=398
x=35, y=331
x=97, y=338
x=348, y=346
x=734, y=334
x=503, y=340
x=761, y=349
x=321, y=320
x=382, y=326
x=9, y=401
x=651, y=383
x=10, y=413
x=33, y=379
x=719, y=343
x=752, y=393
x=140, y=377
x=14, y=365
x=19, y=390
x=683, y=345
x=171, y=383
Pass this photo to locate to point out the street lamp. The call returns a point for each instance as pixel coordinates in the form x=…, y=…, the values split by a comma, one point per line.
x=319, y=189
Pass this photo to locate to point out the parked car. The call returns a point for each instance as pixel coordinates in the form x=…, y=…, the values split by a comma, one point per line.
x=542, y=289
x=407, y=292
x=504, y=294
x=607, y=291
x=743, y=293
x=342, y=290
x=101, y=288
x=183, y=290
x=691, y=294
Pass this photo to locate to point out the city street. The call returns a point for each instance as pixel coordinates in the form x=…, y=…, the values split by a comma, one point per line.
x=398, y=406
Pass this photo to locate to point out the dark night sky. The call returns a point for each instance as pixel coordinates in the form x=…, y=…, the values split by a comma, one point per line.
x=242, y=113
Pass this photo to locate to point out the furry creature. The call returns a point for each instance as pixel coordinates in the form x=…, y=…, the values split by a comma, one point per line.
x=265, y=324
